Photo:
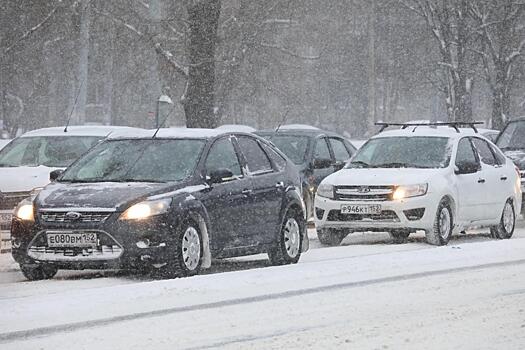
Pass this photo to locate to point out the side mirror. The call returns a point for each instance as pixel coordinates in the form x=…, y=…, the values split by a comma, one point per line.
x=322, y=163
x=219, y=175
x=55, y=174
x=466, y=168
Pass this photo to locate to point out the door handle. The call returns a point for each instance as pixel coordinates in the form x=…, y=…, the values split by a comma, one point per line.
x=247, y=192
x=481, y=181
x=279, y=184
x=503, y=178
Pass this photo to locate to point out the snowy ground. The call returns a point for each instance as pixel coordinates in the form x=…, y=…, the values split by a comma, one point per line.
x=368, y=293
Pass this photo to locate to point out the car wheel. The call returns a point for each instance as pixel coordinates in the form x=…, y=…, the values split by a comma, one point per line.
x=184, y=251
x=38, y=272
x=443, y=225
x=287, y=248
x=399, y=236
x=331, y=237
x=505, y=229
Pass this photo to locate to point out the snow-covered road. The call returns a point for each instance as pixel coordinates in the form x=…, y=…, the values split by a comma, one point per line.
x=367, y=293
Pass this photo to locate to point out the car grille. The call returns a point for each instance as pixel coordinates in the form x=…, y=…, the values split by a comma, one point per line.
x=106, y=249
x=62, y=216
x=9, y=200
x=363, y=193
x=385, y=216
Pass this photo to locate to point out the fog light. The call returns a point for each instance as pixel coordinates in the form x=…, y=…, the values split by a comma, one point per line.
x=16, y=243
x=319, y=213
x=145, y=243
x=145, y=257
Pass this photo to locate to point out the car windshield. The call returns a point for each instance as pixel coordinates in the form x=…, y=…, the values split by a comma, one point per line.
x=294, y=147
x=140, y=160
x=403, y=152
x=513, y=136
x=50, y=151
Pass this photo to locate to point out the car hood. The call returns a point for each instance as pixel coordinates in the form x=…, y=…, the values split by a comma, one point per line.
x=24, y=179
x=378, y=176
x=517, y=156
x=107, y=195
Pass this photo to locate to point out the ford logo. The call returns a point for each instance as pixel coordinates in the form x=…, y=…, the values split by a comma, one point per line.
x=73, y=215
x=363, y=189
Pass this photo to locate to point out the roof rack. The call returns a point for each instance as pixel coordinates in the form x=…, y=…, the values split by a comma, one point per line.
x=454, y=125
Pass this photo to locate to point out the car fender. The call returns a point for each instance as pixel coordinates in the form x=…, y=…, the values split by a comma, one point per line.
x=293, y=197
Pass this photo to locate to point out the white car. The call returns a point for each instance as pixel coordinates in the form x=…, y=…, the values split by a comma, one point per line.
x=26, y=162
x=440, y=180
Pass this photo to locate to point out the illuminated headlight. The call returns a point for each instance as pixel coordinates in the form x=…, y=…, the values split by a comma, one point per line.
x=146, y=209
x=325, y=190
x=24, y=210
x=410, y=191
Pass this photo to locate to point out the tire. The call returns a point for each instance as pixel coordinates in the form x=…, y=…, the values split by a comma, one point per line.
x=331, y=237
x=288, y=245
x=443, y=225
x=184, y=251
x=399, y=237
x=38, y=272
x=507, y=223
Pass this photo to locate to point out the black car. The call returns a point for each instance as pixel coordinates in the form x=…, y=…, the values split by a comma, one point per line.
x=316, y=153
x=511, y=141
x=172, y=200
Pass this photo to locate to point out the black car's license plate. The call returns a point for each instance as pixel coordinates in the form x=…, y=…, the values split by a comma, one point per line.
x=71, y=239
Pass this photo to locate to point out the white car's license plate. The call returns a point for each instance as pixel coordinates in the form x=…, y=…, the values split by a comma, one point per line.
x=71, y=239
x=361, y=209
x=5, y=218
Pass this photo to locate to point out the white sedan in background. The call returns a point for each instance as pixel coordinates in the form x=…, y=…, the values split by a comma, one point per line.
x=441, y=180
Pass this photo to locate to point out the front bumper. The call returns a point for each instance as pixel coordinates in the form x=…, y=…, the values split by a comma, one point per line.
x=119, y=243
x=416, y=213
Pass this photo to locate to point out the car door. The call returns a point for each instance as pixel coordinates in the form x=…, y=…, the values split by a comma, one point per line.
x=229, y=204
x=268, y=187
x=321, y=150
x=494, y=193
x=469, y=186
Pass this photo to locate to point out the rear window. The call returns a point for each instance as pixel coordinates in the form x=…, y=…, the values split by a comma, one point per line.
x=294, y=147
x=513, y=136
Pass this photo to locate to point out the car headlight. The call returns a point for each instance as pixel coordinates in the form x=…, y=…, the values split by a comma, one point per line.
x=325, y=190
x=146, y=209
x=24, y=210
x=410, y=191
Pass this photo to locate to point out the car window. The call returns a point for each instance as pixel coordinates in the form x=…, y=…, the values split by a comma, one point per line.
x=465, y=153
x=293, y=146
x=500, y=158
x=279, y=160
x=256, y=159
x=222, y=156
x=513, y=136
x=321, y=149
x=485, y=154
x=340, y=152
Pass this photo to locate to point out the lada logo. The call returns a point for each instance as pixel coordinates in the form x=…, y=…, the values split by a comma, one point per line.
x=363, y=189
x=73, y=215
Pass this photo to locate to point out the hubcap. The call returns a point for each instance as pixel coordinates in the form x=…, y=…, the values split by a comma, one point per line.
x=508, y=218
x=444, y=223
x=292, y=237
x=191, y=248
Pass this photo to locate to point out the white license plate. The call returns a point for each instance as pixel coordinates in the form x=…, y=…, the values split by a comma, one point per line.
x=70, y=239
x=361, y=209
x=5, y=218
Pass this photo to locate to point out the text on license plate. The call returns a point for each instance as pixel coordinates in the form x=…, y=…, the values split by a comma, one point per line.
x=361, y=209
x=5, y=218
x=70, y=239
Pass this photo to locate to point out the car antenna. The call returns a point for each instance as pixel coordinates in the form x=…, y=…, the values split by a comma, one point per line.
x=74, y=105
x=164, y=121
x=283, y=120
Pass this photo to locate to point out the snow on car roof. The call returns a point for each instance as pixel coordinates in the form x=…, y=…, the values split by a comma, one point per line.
x=97, y=130
x=236, y=127
x=298, y=127
x=443, y=131
x=168, y=133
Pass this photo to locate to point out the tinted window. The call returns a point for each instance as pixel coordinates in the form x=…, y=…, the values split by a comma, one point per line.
x=222, y=156
x=51, y=151
x=147, y=160
x=485, y=154
x=256, y=159
x=279, y=161
x=321, y=149
x=293, y=146
x=513, y=136
x=465, y=152
x=340, y=152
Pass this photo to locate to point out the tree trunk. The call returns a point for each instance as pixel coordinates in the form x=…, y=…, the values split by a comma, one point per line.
x=199, y=98
x=83, y=66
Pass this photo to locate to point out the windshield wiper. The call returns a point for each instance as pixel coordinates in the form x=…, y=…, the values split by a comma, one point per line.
x=395, y=165
x=136, y=180
x=360, y=162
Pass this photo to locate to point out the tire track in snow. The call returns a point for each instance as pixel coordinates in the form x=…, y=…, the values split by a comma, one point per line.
x=8, y=337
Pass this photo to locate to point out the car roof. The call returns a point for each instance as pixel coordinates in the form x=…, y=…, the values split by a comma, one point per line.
x=426, y=131
x=298, y=132
x=96, y=130
x=172, y=133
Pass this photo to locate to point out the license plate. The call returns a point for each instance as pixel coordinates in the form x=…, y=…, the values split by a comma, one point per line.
x=5, y=218
x=70, y=239
x=361, y=209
